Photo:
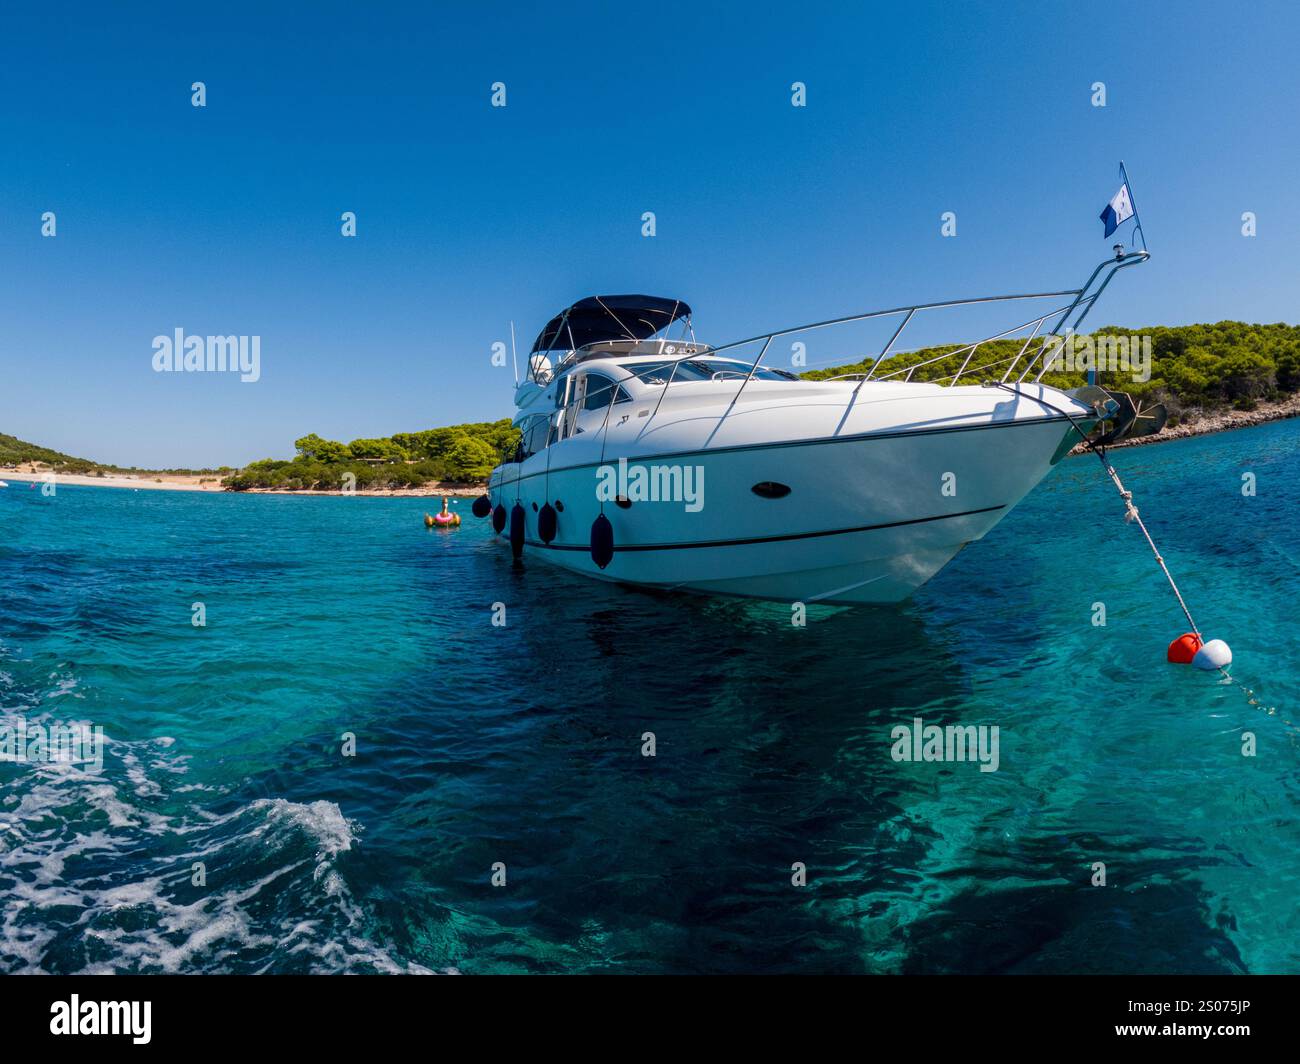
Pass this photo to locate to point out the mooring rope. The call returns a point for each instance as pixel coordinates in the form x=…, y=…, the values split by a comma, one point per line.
x=1131, y=514
x=1131, y=511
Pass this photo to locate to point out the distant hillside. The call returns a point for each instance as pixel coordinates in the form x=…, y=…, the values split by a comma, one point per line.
x=1194, y=368
x=463, y=454
x=1197, y=371
x=14, y=451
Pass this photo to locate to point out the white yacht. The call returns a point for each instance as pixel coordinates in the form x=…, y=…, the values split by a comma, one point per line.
x=671, y=464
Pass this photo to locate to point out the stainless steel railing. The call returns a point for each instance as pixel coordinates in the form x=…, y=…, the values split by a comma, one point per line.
x=1080, y=302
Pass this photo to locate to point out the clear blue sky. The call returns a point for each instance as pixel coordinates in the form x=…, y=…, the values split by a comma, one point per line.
x=226, y=219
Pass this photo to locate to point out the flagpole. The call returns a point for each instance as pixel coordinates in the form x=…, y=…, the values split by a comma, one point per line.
x=1137, y=220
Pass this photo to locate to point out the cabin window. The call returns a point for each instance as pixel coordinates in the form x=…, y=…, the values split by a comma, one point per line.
x=704, y=369
x=598, y=390
x=579, y=394
x=534, y=433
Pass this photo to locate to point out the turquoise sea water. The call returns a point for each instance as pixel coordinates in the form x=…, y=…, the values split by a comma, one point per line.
x=521, y=744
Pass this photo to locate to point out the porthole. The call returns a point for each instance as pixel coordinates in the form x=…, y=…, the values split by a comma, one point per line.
x=770, y=489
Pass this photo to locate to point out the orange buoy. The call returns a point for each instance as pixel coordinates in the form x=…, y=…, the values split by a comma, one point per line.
x=1184, y=648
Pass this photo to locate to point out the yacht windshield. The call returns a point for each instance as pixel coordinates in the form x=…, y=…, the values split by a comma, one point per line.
x=703, y=369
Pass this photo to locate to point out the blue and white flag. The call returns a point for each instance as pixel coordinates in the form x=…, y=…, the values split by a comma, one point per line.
x=1118, y=210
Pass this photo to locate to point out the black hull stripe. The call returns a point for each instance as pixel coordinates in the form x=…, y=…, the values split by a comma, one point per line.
x=643, y=459
x=631, y=547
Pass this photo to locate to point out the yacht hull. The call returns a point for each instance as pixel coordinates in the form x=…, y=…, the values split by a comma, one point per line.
x=868, y=518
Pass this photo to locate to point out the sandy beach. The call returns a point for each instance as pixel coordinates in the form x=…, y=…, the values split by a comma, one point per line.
x=139, y=481
x=211, y=482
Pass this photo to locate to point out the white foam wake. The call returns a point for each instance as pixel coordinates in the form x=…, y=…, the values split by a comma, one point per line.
x=99, y=875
